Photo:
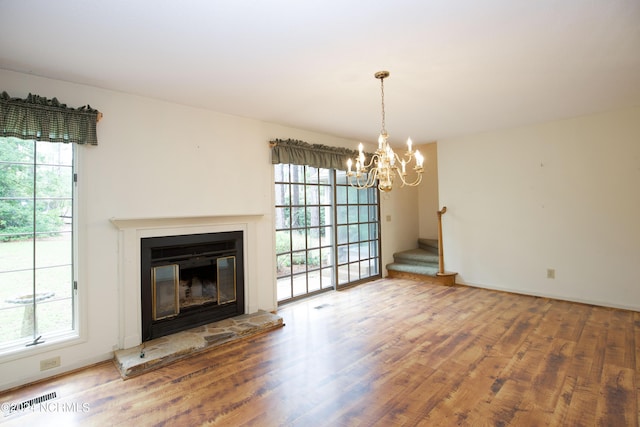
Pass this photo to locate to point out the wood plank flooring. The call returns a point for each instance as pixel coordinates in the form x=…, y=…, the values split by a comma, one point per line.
x=392, y=352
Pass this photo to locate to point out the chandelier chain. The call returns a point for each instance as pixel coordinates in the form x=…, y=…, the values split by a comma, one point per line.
x=383, y=131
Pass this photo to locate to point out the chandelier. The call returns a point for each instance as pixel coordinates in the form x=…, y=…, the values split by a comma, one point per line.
x=384, y=164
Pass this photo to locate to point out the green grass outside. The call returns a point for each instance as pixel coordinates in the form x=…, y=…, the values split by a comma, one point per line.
x=53, y=275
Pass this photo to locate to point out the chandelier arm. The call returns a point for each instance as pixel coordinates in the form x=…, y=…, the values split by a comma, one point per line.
x=375, y=158
x=407, y=159
x=371, y=179
x=416, y=182
x=359, y=184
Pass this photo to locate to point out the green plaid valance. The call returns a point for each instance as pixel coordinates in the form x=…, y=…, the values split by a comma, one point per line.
x=317, y=155
x=45, y=119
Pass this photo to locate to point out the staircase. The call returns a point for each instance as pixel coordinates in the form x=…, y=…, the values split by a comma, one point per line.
x=420, y=264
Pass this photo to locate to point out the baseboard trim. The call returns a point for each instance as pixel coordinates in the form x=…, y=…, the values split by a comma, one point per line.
x=447, y=278
x=530, y=293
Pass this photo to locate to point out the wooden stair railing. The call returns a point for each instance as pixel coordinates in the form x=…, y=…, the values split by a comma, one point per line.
x=440, y=249
x=449, y=277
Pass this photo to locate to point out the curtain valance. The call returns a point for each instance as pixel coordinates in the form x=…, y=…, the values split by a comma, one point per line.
x=45, y=119
x=316, y=155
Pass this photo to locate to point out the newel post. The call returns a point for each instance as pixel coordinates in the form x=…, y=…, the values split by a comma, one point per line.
x=447, y=278
x=440, y=248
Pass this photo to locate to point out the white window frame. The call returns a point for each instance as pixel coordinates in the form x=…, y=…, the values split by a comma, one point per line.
x=77, y=334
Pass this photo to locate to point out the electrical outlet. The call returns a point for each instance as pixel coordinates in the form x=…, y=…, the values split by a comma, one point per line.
x=45, y=364
x=551, y=273
x=388, y=218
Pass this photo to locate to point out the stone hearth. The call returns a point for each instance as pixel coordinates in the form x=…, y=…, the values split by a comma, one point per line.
x=162, y=351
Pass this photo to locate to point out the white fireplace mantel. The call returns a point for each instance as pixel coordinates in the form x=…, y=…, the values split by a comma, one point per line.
x=131, y=230
x=170, y=221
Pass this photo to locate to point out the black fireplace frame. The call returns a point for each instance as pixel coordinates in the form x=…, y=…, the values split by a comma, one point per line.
x=155, y=251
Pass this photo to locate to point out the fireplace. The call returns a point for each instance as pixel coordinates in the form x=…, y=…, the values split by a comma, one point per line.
x=190, y=280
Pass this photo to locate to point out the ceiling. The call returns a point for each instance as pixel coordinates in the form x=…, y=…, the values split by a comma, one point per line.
x=457, y=66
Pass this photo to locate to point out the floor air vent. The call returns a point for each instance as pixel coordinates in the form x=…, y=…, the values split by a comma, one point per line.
x=16, y=407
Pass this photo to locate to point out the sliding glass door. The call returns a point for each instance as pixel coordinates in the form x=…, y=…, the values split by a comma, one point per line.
x=358, y=226
x=327, y=234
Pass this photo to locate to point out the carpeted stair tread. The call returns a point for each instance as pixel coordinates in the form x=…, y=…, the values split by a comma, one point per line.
x=428, y=244
x=419, y=263
x=416, y=256
x=422, y=260
x=425, y=270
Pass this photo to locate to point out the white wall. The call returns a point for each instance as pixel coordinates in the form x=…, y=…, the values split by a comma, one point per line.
x=563, y=195
x=157, y=159
x=428, y=193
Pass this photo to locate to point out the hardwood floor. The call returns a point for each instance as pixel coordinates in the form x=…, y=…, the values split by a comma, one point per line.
x=388, y=353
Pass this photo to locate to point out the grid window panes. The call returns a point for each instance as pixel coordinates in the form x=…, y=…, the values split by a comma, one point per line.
x=304, y=236
x=305, y=218
x=37, y=296
x=357, y=231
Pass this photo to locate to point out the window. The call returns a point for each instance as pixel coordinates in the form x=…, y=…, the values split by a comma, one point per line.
x=327, y=234
x=357, y=222
x=37, y=292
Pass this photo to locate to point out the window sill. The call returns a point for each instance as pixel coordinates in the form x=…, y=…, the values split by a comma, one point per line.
x=53, y=342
